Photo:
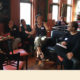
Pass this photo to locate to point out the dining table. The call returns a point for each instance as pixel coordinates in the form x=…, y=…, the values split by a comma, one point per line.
x=6, y=42
x=6, y=48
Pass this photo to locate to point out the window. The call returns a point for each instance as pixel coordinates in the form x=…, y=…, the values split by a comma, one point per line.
x=55, y=12
x=69, y=2
x=55, y=1
x=25, y=12
x=78, y=8
x=55, y=9
x=69, y=10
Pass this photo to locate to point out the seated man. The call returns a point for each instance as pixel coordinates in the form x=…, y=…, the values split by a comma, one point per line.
x=14, y=31
x=72, y=41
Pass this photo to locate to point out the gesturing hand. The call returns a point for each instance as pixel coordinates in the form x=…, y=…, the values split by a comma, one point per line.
x=26, y=32
x=63, y=43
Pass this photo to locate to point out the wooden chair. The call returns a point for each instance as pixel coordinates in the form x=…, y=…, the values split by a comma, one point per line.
x=23, y=55
x=13, y=62
x=2, y=59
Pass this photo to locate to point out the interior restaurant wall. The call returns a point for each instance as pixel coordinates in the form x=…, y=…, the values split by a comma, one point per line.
x=49, y=7
x=49, y=17
x=15, y=11
x=76, y=9
x=41, y=7
x=4, y=13
x=1, y=28
x=37, y=5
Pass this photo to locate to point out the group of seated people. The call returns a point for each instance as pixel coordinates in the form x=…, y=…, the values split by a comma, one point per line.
x=25, y=33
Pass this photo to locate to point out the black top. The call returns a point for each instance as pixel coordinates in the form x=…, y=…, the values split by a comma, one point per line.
x=41, y=31
x=23, y=34
x=14, y=32
x=27, y=27
x=73, y=43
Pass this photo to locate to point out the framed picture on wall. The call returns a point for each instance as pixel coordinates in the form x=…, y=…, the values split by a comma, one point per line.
x=4, y=10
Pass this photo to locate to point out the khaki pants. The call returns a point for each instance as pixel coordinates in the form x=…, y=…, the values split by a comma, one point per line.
x=15, y=43
x=39, y=41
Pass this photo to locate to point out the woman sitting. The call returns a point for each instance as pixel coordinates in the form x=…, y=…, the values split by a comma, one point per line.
x=26, y=37
x=41, y=29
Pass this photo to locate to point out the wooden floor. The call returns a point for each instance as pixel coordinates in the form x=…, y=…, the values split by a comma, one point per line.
x=48, y=65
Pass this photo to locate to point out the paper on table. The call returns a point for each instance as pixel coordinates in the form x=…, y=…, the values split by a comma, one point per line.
x=61, y=45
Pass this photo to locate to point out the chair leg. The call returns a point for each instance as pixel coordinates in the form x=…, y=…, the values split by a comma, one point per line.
x=26, y=62
x=61, y=65
x=1, y=66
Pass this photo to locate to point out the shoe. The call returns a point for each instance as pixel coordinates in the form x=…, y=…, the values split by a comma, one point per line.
x=37, y=61
x=42, y=64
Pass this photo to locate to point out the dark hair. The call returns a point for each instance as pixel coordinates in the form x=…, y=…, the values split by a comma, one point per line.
x=74, y=24
x=38, y=15
x=22, y=20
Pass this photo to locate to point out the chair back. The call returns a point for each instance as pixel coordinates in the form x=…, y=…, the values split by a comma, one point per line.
x=2, y=59
x=13, y=60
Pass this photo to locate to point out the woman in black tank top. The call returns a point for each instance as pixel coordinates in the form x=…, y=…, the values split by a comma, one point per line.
x=41, y=32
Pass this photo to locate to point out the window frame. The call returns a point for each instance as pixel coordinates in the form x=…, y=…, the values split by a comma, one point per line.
x=70, y=5
x=30, y=9
x=57, y=4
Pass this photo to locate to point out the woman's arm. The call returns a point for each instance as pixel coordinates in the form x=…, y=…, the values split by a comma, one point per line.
x=46, y=27
x=32, y=32
x=20, y=28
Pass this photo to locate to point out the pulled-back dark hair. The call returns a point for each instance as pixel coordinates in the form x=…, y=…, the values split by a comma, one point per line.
x=38, y=15
x=74, y=24
x=22, y=20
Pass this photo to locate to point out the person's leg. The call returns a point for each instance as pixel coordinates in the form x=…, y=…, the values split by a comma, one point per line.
x=76, y=64
x=15, y=43
x=67, y=64
x=37, y=42
x=70, y=64
x=38, y=50
x=31, y=44
x=38, y=45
